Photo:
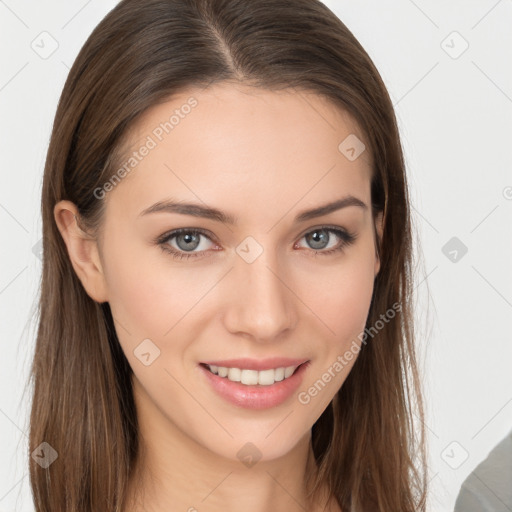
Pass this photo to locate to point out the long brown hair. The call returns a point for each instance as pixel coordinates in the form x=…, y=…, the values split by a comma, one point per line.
x=369, y=451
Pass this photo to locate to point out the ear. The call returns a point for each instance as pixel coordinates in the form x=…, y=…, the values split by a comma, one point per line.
x=82, y=249
x=379, y=228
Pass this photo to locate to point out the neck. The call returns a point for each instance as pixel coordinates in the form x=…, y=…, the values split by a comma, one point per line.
x=173, y=472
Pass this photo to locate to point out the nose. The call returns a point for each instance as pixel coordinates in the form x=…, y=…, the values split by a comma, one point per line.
x=261, y=303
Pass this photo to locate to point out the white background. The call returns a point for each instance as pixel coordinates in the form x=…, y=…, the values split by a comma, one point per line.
x=455, y=117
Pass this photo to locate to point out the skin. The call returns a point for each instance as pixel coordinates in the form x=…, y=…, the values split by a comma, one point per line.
x=268, y=155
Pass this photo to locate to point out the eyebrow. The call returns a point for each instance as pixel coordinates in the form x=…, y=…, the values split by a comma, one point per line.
x=207, y=212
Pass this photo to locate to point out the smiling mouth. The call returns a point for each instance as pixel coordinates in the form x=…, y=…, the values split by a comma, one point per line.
x=253, y=377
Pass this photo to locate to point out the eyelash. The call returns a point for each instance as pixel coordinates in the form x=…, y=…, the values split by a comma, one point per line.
x=346, y=237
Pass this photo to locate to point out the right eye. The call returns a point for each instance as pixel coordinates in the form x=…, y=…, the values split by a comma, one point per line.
x=187, y=241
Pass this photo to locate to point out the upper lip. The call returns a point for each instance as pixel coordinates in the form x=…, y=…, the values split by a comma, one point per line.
x=257, y=364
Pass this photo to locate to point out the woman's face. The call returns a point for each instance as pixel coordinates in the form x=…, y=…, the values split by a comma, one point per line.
x=252, y=276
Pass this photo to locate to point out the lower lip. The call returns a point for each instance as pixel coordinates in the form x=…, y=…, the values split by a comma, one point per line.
x=256, y=397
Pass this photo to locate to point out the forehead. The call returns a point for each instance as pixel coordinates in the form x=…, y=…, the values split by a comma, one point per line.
x=236, y=144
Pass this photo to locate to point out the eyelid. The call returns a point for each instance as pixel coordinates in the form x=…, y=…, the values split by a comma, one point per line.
x=174, y=232
x=327, y=227
x=346, y=238
x=211, y=236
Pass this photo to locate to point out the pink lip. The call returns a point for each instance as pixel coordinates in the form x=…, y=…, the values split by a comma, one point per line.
x=256, y=397
x=255, y=364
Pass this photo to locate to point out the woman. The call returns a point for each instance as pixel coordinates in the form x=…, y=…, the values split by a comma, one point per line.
x=225, y=313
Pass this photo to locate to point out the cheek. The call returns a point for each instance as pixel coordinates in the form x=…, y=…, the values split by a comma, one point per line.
x=147, y=295
x=340, y=296
x=342, y=306
x=151, y=297
x=152, y=300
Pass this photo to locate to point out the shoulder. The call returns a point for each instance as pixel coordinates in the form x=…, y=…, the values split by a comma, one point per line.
x=487, y=488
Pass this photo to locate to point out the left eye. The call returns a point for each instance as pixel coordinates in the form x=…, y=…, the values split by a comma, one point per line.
x=321, y=236
x=188, y=240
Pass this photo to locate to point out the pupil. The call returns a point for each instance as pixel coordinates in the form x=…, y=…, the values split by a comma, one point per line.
x=188, y=238
x=317, y=237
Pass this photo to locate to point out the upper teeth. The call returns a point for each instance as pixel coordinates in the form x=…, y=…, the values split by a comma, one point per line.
x=253, y=377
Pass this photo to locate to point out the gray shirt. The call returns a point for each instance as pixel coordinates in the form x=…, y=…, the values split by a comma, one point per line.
x=489, y=487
